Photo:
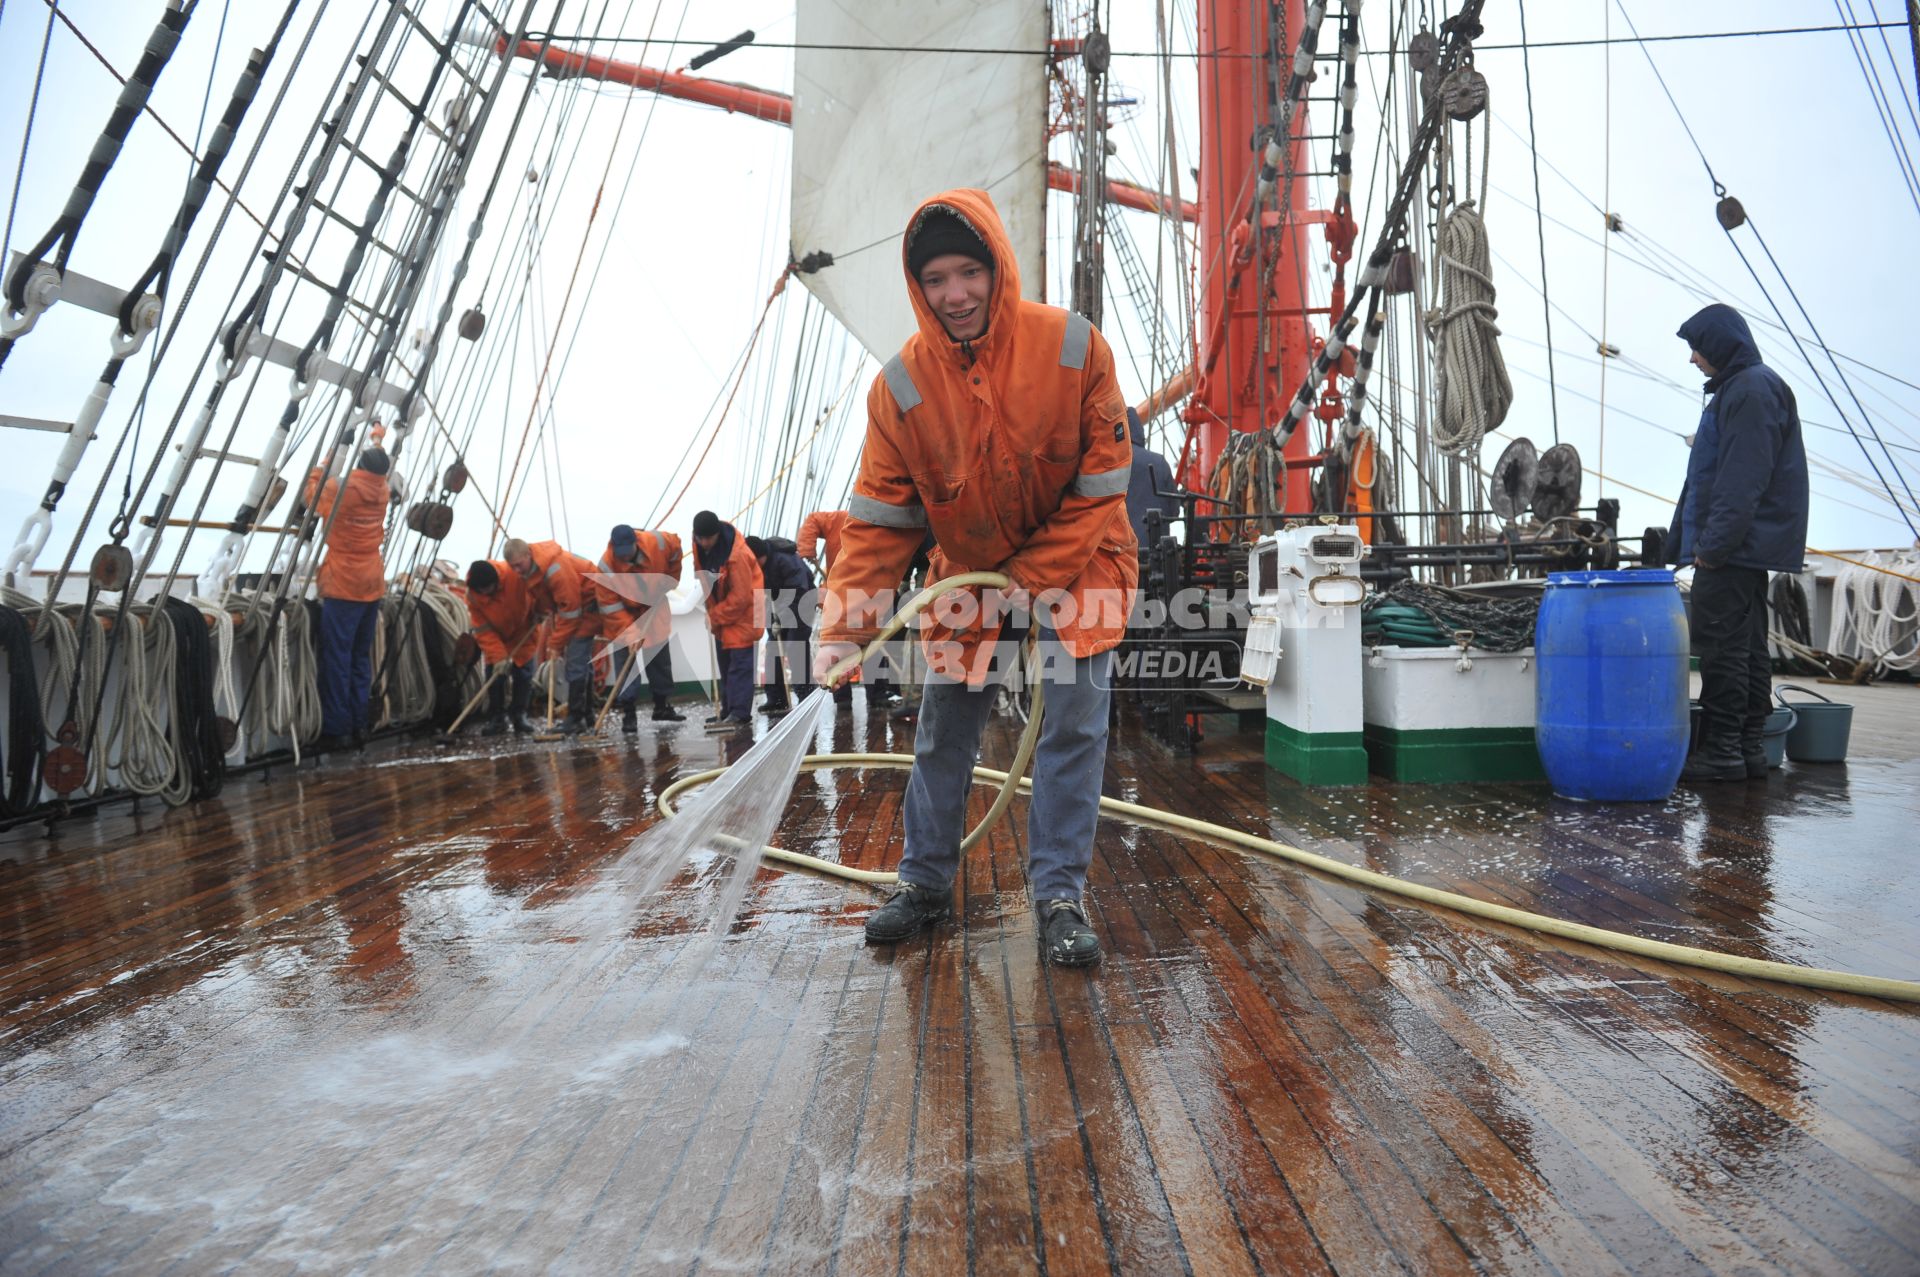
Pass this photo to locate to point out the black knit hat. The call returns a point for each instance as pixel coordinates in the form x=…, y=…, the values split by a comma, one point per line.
x=483, y=576
x=758, y=546
x=706, y=524
x=941, y=232
x=374, y=461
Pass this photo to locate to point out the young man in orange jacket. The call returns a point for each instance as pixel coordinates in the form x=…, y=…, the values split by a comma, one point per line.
x=352, y=580
x=559, y=583
x=732, y=581
x=631, y=584
x=999, y=426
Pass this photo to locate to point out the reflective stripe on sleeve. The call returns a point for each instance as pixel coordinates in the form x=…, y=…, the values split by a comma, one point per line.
x=1110, y=483
x=868, y=510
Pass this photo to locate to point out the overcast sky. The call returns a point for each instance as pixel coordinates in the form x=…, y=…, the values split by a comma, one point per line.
x=670, y=278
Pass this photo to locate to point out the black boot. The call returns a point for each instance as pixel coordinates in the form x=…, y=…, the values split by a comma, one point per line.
x=517, y=707
x=579, y=707
x=494, y=724
x=1753, y=748
x=1716, y=759
x=664, y=712
x=629, y=719
x=1069, y=941
x=911, y=909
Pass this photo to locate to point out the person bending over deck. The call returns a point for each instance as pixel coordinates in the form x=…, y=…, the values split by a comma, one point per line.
x=730, y=576
x=558, y=583
x=819, y=544
x=630, y=586
x=1741, y=514
x=503, y=622
x=352, y=579
x=1000, y=427
x=788, y=587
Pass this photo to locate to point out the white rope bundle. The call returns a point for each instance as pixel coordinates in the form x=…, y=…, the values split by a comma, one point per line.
x=149, y=763
x=1876, y=617
x=1471, y=382
x=226, y=694
x=286, y=695
x=57, y=630
x=408, y=693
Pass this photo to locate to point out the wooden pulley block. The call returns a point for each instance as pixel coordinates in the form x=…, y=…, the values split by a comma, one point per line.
x=275, y=490
x=65, y=769
x=1403, y=272
x=1423, y=50
x=227, y=732
x=431, y=519
x=473, y=323
x=455, y=479
x=1464, y=93
x=111, y=569
x=466, y=649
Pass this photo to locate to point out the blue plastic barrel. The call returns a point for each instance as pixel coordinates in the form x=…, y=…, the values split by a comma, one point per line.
x=1611, y=668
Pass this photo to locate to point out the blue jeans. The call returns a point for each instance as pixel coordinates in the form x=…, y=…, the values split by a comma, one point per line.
x=1067, y=769
x=346, y=664
x=736, y=683
x=579, y=656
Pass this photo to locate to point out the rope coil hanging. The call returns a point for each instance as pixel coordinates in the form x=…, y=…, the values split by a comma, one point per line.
x=1471, y=383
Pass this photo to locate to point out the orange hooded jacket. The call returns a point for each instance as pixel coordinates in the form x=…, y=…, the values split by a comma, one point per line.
x=352, y=570
x=1014, y=450
x=560, y=592
x=733, y=589
x=821, y=526
x=503, y=618
x=638, y=604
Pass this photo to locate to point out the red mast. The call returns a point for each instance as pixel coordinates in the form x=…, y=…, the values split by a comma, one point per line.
x=1255, y=345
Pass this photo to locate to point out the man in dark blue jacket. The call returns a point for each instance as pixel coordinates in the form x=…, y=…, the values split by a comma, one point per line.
x=1742, y=514
x=1150, y=477
x=790, y=606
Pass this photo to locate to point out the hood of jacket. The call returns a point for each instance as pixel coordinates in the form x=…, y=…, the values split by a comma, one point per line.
x=1136, y=429
x=1721, y=335
x=975, y=208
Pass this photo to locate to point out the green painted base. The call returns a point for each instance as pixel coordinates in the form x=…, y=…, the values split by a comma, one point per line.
x=1317, y=758
x=1453, y=754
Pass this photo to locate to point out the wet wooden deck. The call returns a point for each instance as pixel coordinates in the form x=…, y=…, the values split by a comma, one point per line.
x=402, y=1016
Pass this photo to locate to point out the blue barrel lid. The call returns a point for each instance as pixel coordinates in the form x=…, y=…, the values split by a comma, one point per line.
x=1633, y=576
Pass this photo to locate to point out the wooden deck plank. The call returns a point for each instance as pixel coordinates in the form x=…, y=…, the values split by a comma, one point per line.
x=405, y=1012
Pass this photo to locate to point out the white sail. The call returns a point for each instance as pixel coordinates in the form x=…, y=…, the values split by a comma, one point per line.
x=876, y=133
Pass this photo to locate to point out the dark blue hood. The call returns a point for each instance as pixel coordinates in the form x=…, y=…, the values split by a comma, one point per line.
x=1720, y=334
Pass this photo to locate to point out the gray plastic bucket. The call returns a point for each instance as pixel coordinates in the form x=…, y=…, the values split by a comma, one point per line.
x=1773, y=737
x=1775, y=734
x=1820, y=735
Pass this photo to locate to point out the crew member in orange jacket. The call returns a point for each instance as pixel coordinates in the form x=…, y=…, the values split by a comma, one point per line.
x=1001, y=427
x=732, y=581
x=820, y=535
x=630, y=587
x=558, y=582
x=504, y=622
x=352, y=579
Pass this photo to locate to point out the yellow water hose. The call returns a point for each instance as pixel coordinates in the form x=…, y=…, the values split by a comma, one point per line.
x=1010, y=781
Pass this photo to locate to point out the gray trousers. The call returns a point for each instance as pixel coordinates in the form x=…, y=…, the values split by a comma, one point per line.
x=1068, y=765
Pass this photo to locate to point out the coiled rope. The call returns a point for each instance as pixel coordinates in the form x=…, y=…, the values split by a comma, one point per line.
x=1876, y=612
x=1252, y=844
x=1471, y=382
